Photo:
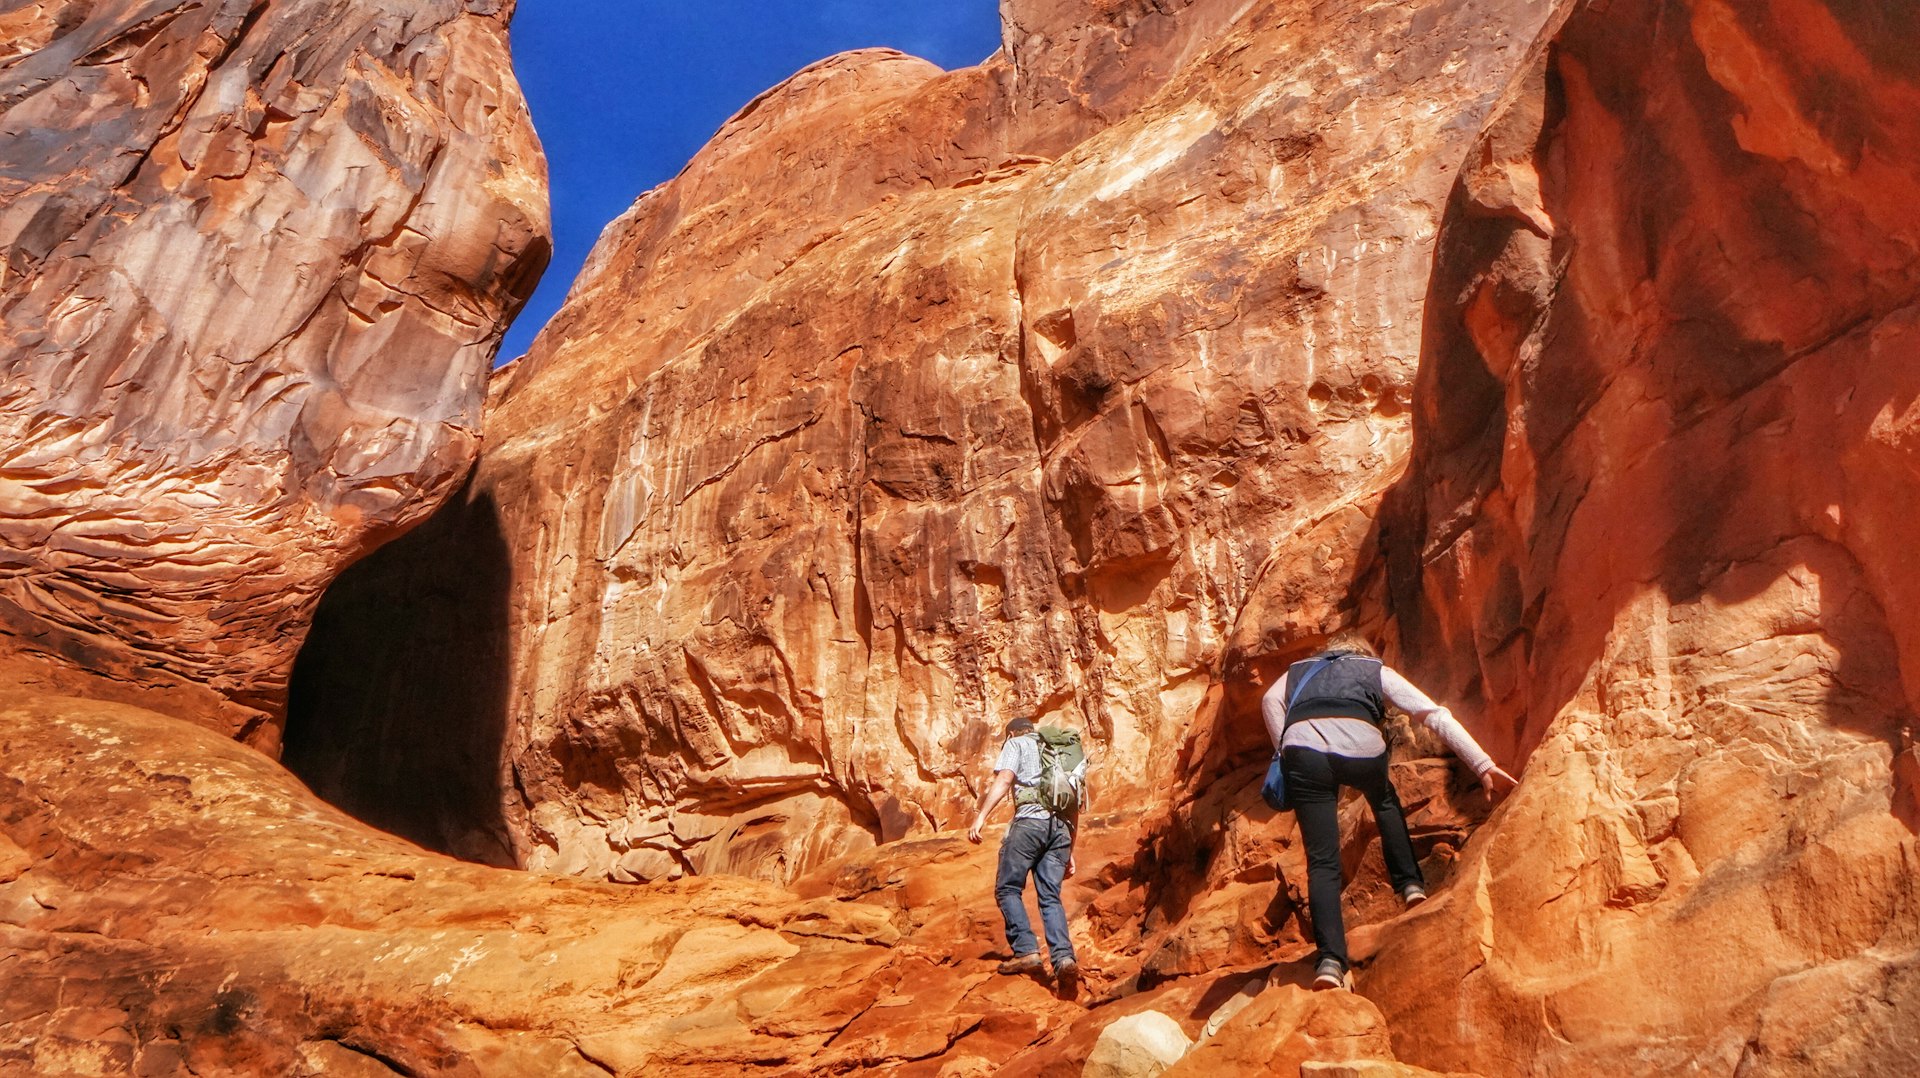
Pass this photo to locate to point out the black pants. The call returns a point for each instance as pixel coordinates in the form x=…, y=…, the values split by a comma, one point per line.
x=1314, y=779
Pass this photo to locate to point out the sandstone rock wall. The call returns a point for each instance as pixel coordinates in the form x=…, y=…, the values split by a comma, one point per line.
x=876, y=427
x=258, y=260
x=1653, y=523
x=1093, y=382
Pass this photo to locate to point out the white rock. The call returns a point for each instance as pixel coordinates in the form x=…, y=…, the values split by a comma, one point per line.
x=1137, y=1046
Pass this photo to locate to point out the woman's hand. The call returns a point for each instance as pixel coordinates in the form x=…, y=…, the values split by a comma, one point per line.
x=1495, y=782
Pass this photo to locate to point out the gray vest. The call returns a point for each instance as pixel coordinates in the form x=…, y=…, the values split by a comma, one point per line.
x=1348, y=687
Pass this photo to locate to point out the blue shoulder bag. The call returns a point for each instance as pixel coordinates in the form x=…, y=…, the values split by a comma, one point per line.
x=1274, y=790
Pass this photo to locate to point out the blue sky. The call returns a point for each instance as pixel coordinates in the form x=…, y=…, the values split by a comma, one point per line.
x=625, y=91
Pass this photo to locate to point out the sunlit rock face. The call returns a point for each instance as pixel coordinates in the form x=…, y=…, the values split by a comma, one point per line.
x=258, y=259
x=921, y=401
x=1656, y=523
x=1562, y=347
x=172, y=903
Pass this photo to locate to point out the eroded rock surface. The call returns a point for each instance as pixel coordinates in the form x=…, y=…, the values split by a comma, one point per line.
x=258, y=260
x=174, y=903
x=1654, y=523
x=920, y=401
x=1096, y=382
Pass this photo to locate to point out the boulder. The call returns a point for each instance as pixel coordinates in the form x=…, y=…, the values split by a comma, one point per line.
x=1287, y=1026
x=1141, y=1045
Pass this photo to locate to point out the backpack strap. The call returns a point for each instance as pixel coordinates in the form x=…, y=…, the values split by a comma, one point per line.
x=1022, y=793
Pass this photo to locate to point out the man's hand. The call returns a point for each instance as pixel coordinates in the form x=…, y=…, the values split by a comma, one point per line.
x=1495, y=782
x=973, y=833
x=1072, y=867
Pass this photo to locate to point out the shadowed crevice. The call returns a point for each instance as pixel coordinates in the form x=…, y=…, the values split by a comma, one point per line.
x=397, y=711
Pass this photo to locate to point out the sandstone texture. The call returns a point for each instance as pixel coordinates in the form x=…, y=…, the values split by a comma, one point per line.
x=258, y=257
x=920, y=401
x=174, y=903
x=1653, y=524
x=1285, y=1027
x=1564, y=347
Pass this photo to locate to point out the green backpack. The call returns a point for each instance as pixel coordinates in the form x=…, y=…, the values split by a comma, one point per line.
x=1063, y=769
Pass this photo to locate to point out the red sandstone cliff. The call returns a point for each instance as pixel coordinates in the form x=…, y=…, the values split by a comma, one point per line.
x=1562, y=349
x=919, y=401
x=258, y=259
x=1653, y=525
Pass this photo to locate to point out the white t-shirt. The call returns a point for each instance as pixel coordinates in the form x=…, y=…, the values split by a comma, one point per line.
x=1360, y=739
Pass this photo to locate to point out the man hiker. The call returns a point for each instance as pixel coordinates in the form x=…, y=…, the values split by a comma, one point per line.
x=1324, y=717
x=1045, y=771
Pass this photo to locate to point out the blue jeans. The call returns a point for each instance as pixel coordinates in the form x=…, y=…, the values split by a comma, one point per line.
x=1040, y=847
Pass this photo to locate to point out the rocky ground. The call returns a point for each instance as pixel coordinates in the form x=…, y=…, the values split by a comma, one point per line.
x=172, y=902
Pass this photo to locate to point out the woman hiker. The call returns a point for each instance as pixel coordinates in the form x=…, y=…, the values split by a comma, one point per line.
x=1325, y=716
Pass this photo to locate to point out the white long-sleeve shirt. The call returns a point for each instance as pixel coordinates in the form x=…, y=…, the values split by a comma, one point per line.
x=1359, y=738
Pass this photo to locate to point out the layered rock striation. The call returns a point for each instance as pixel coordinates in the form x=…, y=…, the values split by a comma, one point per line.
x=1107, y=437
x=920, y=401
x=258, y=260
x=1653, y=522
x=1560, y=346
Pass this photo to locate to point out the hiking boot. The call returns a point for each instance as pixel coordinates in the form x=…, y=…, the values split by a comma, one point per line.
x=1330, y=974
x=1023, y=963
x=1413, y=895
x=1067, y=974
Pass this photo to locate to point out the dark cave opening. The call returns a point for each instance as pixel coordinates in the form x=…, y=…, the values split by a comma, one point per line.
x=397, y=708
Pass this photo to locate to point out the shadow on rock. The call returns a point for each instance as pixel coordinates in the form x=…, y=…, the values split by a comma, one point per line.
x=398, y=705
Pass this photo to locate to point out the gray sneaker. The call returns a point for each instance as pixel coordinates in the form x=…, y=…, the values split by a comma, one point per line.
x=1413, y=895
x=1329, y=974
